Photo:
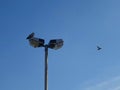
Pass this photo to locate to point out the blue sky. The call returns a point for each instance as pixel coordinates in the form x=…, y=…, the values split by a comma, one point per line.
x=82, y=24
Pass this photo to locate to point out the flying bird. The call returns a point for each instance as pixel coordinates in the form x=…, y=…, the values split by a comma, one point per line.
x=31, y=36
x=99, y=48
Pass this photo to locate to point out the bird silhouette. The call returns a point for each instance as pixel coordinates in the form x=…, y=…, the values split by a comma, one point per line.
x=31, y=35
x=99, y=48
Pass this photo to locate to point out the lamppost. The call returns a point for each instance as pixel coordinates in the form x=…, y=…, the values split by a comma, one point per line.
x=53, y=44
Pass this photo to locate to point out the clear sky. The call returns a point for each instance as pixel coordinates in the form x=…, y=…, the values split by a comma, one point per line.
x=82, y=24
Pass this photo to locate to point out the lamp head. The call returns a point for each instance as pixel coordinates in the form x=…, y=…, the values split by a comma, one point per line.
x=55, y=44
x=36, y=42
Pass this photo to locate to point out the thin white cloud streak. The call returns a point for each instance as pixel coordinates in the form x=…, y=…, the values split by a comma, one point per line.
x=117, y=88
x=113, y=84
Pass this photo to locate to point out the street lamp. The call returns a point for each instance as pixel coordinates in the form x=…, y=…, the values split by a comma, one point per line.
x=53, y=44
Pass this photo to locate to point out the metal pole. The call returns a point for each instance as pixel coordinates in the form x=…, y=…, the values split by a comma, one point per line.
x=46, y=67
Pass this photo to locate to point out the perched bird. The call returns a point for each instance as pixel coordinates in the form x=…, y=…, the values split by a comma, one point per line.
x=31, y=36
x=98, y=48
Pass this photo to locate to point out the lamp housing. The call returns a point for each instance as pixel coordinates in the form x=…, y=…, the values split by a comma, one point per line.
x=55, y=44
x=36, y=42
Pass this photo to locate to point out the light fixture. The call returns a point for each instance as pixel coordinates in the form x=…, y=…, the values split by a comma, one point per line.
x=53, y=44
x=38, y=42
x=35, y=42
